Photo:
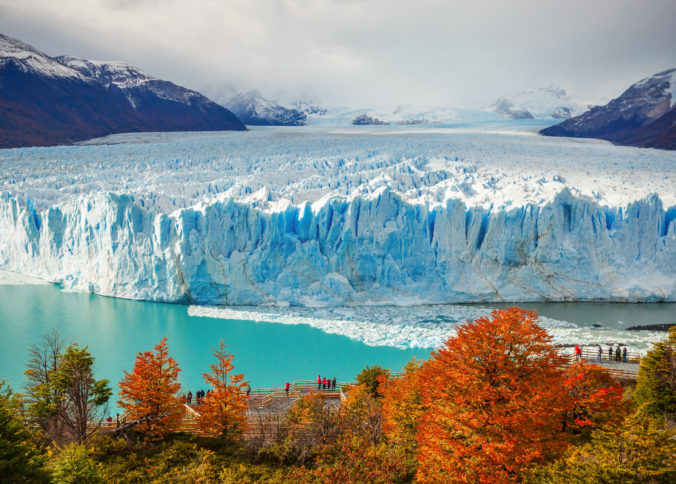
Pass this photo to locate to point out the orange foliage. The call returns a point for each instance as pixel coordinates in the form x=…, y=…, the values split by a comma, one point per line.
x=493, y=401
x=353, y=460
x=403, y=407
x=223, y=410
x=357, y=452
x=595, y=396
x=149, y=394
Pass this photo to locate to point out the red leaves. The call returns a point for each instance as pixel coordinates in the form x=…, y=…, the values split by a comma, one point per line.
x=149, y=393
x=492, y=401
x=595, y=397
x=223, y=410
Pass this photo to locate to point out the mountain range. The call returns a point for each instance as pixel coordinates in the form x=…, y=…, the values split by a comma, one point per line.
x=55, y=100
x=643, y=115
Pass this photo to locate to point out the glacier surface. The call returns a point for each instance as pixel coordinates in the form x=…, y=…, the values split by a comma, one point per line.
x=352, y=216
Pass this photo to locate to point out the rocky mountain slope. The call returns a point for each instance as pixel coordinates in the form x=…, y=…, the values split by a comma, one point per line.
x=48, y=101
x=644, y=115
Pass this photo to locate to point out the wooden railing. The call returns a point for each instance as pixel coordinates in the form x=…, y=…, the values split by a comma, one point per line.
x=261, y=398
x=266, y=403
x=591, y=353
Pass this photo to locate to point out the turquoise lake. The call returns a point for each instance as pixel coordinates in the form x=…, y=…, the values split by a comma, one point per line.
x=269, y=354
x=116, y=330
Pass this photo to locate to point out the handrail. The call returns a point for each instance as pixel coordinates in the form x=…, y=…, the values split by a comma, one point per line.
x=591, y=353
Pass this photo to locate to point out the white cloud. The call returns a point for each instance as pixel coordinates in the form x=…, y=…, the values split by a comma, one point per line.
x=370, y=51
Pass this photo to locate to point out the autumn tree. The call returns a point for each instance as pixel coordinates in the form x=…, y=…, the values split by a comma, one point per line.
x=223, y=410
x=493, y=401
x=656, y=384
x=402, y=410
x=310, y=424
x=149, y=394
x=595, y=397
x=371, y=377
x=639, y=450
x=357, y=451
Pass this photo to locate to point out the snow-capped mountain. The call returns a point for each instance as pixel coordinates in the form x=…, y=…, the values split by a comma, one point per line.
x=546, y=102
x=46, y=100
x=21, y=56
x=402, y=114
x=644, y=115
x=256, y=110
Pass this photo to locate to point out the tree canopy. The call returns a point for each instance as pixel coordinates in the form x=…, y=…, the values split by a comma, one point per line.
x=149, y=394
x=223, y=410
x=493, y=401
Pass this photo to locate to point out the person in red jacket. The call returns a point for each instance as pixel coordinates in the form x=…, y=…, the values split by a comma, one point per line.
x=319, y=382
x=324, y=383
x=286, y=387
x=578, y=352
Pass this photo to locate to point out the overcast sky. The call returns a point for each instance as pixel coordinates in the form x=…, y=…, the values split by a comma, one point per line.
x=364, y=52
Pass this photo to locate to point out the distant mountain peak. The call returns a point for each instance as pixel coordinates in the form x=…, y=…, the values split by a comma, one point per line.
x=118, y=73
x=643, y=115
x=254, y=109
x=544, y=102
x=28, y=59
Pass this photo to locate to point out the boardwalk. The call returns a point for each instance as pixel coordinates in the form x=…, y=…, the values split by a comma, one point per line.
x=268, y=405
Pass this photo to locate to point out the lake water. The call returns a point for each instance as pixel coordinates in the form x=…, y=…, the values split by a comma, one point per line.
x=269, y=354
x=116, y=330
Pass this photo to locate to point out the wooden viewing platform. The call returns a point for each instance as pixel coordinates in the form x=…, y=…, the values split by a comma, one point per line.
x=267, y=405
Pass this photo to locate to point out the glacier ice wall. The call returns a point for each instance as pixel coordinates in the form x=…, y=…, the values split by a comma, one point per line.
x=360, y=250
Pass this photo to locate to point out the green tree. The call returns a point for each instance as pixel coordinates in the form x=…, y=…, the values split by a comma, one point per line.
x=639, y=451
x=64, y=398
x=74, y=465
x=656, y=385
x=42, y=399
x=83, y=398
x=20, y=461
x=371, y=377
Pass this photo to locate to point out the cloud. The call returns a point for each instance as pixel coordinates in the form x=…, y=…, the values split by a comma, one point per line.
x=366, y=51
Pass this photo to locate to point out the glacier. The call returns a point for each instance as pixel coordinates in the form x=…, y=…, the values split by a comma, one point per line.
x=324, y=217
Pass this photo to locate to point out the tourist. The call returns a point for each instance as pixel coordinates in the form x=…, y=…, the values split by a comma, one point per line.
x=578, y=353
x=333, y=383
x=324, y=383
x=624, y=354
x=248, y=390
x=610, y=352
x=286, y=387
x=189, y=397
x=599, y=353
x=319, y=382
x=618, y=354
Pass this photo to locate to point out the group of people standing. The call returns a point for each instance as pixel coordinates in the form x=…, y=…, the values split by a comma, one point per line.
x=199, y=395
x=620, y=354
x=326, y=383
